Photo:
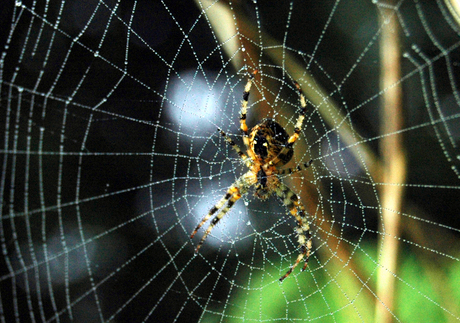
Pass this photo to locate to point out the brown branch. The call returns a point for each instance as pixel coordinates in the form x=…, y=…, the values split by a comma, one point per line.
x=394, y=165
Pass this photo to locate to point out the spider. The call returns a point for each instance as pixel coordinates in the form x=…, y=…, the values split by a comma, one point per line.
x=268, y=148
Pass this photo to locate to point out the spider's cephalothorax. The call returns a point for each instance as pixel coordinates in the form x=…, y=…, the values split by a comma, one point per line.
x=268, y=148
x=267, y=140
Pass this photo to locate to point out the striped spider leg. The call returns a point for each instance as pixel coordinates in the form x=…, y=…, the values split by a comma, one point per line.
x=296, y=209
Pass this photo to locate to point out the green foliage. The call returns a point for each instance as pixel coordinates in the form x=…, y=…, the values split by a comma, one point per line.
x=345, y=292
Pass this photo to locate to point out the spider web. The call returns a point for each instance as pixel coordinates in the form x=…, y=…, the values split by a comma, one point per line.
x=111, y=157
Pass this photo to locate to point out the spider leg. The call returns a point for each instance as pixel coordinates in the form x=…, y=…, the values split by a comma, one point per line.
x=298, y=126
x=236, y=148
x=214, y=209
x=292, y=202
x=233, y=194
x=295, y=169
x=244, y=108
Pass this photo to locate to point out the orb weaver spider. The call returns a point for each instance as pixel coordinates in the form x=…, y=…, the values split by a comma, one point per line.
x=268, y=148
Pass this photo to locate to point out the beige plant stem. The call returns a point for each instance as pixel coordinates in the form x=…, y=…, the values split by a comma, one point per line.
x=394, y=165
x=454, y=8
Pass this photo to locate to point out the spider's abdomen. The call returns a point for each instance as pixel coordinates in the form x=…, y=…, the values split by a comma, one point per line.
x=267, y=139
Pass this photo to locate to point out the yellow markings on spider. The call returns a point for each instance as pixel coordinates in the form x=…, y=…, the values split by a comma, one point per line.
x=268, y=147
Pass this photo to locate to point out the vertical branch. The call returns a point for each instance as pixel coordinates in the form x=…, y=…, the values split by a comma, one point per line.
x=393, y=165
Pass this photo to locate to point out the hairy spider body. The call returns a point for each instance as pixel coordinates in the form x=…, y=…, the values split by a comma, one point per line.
x=268, y=148
x=267, y=140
